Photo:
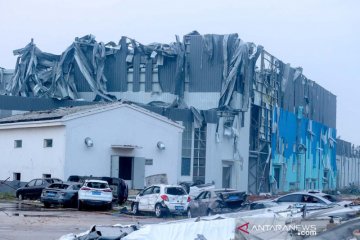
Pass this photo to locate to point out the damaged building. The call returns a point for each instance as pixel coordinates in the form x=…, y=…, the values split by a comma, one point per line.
x=251, y=121
x=348, y=164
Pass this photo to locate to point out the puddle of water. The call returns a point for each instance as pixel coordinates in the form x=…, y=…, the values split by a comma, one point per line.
x=27, y=207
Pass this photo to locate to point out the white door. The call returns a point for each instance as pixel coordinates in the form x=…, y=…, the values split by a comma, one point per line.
x=144, y=199
x=114, y=168
x=153, y=197
x=139, y=173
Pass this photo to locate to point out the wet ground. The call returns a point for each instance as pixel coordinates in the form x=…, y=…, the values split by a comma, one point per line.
x=29, y=220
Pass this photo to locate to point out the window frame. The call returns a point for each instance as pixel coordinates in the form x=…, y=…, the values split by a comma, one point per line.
x=47, y=142
x=16, y=143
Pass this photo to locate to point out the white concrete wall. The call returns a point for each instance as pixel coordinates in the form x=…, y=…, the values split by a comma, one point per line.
x=122, y=126
x=217, y=152
x=32, y=160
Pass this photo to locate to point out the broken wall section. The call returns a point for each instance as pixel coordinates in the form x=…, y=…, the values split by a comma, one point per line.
x=348, y=164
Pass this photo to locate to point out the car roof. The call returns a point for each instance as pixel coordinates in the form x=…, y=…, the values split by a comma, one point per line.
x=310, y=194
x=95, y=180
x=165, y=185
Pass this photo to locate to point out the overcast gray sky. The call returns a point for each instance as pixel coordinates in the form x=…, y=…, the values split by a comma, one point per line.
x=321, y=36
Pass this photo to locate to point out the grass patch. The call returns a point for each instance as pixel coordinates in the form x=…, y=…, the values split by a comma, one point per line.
x=7, y=196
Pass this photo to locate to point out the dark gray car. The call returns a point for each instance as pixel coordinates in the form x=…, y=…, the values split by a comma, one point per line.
x=216, y=201
x=64, y=194
x=34, y=188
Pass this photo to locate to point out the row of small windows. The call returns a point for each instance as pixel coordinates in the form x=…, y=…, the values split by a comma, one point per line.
x=48, y=143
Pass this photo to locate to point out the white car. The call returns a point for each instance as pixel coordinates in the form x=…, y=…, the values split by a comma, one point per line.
x=312, y=199
x=161, y=199
x=95, y=193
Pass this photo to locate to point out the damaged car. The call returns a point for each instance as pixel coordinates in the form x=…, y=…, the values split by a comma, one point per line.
x=216, y=201
x=161, y=199
x=312, y=199
x=63, y=194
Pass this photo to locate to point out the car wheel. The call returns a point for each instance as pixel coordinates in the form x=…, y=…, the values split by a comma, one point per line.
x=46, y=205
x=189, y=213
x=135, y=208
x=20, y=197
x=158, y=210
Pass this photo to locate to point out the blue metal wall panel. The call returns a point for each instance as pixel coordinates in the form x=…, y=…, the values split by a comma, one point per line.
x=291, y=130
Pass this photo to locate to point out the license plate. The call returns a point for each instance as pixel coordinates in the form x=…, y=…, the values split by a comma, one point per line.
x=50, y=194
x=96, y=193
x=179, y=208
x=234, y=198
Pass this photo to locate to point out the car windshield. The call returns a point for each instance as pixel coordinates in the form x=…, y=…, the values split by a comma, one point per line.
x=175, y=191
x=99, y=185
x=59, y=186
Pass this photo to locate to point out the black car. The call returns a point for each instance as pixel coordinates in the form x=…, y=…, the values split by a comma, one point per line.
x=118, y=186
x=34, y=188
x=216, y=201
x=64, y=194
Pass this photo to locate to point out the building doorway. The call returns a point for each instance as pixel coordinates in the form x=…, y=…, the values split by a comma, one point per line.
x=125, y=168
x=131, y=169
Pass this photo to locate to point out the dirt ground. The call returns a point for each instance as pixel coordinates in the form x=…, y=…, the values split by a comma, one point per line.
x=27, y=220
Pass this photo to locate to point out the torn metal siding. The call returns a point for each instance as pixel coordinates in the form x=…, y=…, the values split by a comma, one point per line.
x=136, y=72
x=116, y=69
x=36, y=104
x=148, y=75
x=205, y=68
x=166, y=73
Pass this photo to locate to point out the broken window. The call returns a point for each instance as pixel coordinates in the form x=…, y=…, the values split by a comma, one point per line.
x=48, y=143
x=18, y=144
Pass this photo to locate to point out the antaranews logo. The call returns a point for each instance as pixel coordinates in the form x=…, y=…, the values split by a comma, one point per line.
x=303, y=230
x=244, y=228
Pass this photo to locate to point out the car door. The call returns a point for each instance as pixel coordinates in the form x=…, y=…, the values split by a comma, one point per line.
x=27, y=190
x=39, y=186
x=204, y=203
x=195, y=205
x=153, y=197
x=144, y=199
